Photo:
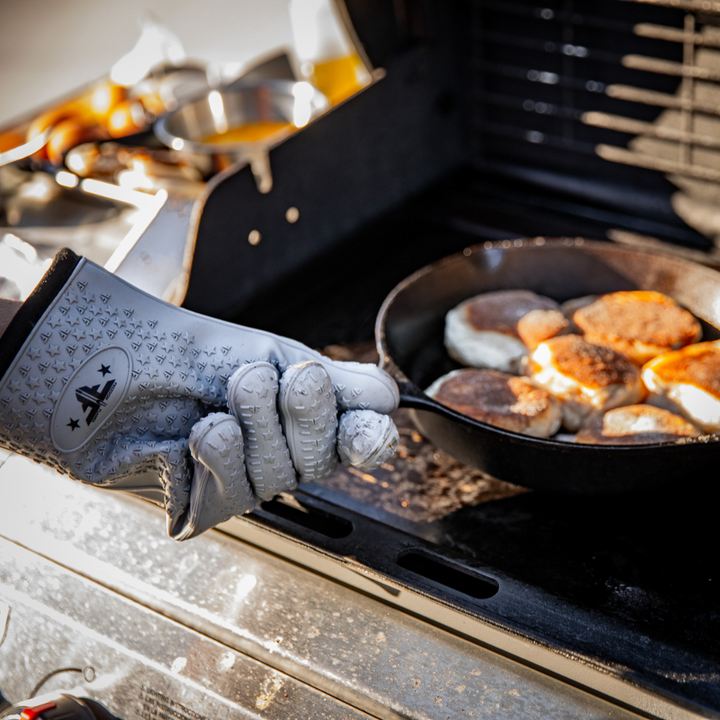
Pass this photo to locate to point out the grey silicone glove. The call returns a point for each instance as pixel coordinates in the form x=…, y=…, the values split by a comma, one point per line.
x=117, y=388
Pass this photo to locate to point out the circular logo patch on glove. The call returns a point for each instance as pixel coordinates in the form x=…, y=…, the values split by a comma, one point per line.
x=90, y=397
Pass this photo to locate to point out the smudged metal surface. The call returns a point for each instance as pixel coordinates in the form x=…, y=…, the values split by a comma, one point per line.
x=240, y=602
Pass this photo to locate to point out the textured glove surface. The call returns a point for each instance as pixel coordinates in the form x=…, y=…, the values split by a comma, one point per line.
x=110, y=382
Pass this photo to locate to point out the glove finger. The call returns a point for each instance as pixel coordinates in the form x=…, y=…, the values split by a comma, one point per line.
x=220, y=489
x=308, y=413
x=252, y=398
x=362, y=386
x=358, y=386
x=366, y=439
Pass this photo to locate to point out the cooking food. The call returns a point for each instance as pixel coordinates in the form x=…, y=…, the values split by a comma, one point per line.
x=413, y=349
x=483, y=331
x=68, y=134
x=639, y=324
x=584, y=353
x=588, y=379
x=126, y=118
x=102, y=111
x=569, y=307
x=249, y=132
x=687, y=382
x=635, y=425
x=506, y=401
x=539, y=325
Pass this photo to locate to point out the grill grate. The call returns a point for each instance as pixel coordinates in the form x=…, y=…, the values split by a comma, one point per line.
x=575, y=83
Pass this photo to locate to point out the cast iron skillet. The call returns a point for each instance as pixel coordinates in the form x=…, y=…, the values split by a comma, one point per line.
x=409, y=335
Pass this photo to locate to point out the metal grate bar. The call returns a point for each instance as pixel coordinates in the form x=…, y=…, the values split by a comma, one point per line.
x=638, y=127
x=660, y=32
x=607, y=121
x=610, y=152
x=617, y=123
x=616, y=91
x=658, y=99
x=550, y=15
x=686, y=89
x=513, y=102
x=652, y=162
x=700, y=6
x=542, y=77
x=538, y=138
x=668, y=67
x=646, y=30
x=655, y=59
x=550, y=47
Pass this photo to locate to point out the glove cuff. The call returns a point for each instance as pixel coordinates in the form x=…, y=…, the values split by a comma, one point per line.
x=30, y=312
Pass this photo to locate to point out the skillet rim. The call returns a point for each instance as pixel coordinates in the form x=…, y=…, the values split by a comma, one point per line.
x=388, y=364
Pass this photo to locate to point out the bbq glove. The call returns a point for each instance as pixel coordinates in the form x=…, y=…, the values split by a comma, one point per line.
x=120, y=390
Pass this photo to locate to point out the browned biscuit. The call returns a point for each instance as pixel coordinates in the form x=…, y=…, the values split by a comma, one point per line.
x=483, y=331
x=569, y=307
x=539, y=325
x=592, y=366
x=640, y=324
x=587, y=378
x=493, y=397
x=500, y=311
x=687, y=381
x=636, y=425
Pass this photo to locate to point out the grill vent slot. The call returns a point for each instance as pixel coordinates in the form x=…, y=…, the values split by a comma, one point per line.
x=572, y=83
x=448, y=575
x=311, y=518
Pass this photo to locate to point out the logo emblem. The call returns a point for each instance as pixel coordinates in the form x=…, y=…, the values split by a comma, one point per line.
x=90, y=397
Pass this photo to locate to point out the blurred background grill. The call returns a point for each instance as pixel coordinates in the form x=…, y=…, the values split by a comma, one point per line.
x=571, y=85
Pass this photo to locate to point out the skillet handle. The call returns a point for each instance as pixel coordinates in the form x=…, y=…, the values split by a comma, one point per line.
x=411, y=396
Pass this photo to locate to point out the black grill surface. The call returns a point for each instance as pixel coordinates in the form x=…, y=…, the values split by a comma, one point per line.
x=579, y=118
x=631, y=582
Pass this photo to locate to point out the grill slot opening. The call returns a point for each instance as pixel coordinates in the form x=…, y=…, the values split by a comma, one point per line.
x=330, y=526
x=448, y=575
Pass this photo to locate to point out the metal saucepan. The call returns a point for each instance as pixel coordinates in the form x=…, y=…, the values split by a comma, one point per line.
x=409, y=334
x=218, y=112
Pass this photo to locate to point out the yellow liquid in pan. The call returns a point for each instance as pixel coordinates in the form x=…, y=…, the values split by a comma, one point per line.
x=340, y=78
x=252, y=132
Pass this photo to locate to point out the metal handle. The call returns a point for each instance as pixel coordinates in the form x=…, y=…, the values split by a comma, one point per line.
x=411, y=396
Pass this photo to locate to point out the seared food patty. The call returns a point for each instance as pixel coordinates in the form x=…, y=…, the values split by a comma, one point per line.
x=588, y=379
x=539, y=325
x=687, y=382
x=483, y=331
x=640, y=324
x=636, y=425
x=506, y=401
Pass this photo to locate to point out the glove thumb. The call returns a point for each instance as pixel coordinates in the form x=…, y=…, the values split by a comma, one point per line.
x=366, y=439
x=219, y=489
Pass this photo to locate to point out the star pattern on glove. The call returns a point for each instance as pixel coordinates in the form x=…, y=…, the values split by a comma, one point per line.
x=178, y=374
x=87, y=322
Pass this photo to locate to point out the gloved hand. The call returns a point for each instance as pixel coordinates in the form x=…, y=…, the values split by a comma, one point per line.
x=121, y=390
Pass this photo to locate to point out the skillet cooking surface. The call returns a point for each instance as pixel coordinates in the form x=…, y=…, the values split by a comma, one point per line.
x=409, y=333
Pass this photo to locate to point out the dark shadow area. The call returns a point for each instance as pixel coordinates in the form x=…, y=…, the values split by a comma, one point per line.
x=324, y=523
x=448, y=575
